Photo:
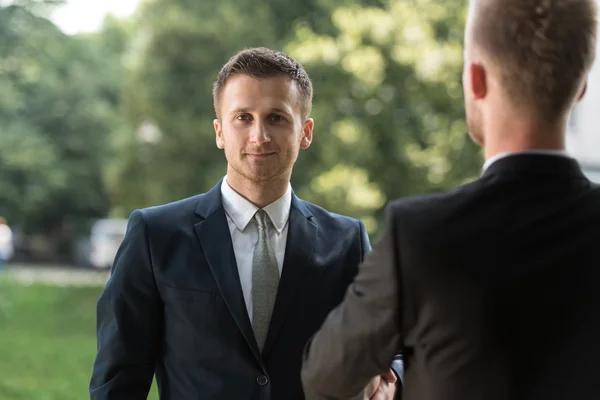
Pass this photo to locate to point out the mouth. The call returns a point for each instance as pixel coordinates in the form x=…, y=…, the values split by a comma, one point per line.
x=259, y=156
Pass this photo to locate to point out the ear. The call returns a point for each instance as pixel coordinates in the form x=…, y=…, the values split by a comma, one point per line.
x=219, y=133
x=477, y=81
x=583, y=91
x=307, y=134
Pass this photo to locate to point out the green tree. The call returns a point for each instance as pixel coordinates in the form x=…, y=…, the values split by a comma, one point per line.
x=388, y=105
x=55, y=117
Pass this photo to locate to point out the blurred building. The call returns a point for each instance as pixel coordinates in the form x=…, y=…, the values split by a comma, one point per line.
x=583, y=139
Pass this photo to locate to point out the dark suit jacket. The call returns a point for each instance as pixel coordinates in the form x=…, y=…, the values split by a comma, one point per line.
x=174, y=304
x=491, y=290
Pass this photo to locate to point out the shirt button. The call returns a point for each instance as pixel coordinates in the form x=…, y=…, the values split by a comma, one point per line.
x=262, y=380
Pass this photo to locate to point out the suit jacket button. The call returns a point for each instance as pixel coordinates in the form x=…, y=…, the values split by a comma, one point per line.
x=262, y=380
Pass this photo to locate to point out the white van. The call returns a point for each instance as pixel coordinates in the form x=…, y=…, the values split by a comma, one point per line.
x=106, y=236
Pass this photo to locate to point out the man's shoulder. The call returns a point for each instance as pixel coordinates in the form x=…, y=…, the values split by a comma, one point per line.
x=432, y=204
x=324, y=217
x=170, y=212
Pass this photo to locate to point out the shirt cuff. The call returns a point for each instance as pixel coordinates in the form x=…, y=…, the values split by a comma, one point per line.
x=398, y=367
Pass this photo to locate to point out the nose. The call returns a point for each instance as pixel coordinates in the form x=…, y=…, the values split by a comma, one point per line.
x=259, y=133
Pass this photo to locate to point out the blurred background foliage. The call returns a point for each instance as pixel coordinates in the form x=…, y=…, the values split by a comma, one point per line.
x=98, y=124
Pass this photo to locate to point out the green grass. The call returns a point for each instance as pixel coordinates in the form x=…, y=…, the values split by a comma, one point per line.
x=47, y=341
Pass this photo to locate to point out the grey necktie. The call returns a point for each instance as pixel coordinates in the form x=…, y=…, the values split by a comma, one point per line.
x=265, y=281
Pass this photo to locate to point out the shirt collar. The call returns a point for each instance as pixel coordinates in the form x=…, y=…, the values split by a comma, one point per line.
x=491, y=160
x=241, y=211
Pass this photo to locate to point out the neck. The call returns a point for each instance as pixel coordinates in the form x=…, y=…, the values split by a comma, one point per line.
x=260, y=194
x=505, y=134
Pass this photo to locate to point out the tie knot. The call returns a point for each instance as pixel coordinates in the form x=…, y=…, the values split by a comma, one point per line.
x=261, y=218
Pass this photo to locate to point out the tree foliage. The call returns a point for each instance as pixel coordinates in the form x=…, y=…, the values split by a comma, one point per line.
x=55, y=113
x=388, y=102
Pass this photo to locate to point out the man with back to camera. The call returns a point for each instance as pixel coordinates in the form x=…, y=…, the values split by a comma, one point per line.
x=490, y=290
x=217, y=294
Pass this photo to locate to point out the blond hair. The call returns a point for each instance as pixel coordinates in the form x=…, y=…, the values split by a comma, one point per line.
x=543, y=49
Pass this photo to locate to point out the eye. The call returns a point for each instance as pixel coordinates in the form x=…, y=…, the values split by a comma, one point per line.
x=276, y=118
x=243, y=117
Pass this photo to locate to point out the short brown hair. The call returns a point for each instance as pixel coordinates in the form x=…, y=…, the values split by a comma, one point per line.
x=543, y=48
x=261, y=62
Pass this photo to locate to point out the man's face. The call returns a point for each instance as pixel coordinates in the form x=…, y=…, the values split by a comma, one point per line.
x=261, y=127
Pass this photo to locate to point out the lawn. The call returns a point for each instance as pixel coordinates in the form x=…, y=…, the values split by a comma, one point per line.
x=47, y=341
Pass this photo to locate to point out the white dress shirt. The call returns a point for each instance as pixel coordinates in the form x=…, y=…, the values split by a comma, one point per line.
x=244, y=232
x=491, y=160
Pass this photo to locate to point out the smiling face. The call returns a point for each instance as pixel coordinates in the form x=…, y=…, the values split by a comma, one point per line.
x=261, y=128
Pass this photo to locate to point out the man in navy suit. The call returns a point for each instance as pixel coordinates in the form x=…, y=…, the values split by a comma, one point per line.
x=218, y=294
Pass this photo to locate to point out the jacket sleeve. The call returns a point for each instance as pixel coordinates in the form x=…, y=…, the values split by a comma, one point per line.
x=398, y=362
x=360, y=338
x=129, y=318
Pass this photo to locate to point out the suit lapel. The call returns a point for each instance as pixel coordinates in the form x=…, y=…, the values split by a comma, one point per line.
x=215, y=241
x=302, y=235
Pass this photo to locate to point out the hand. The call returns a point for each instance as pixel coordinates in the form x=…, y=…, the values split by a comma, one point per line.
x=382, y=387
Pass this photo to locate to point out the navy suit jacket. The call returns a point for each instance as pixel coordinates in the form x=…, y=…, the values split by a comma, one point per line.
x=174, y=307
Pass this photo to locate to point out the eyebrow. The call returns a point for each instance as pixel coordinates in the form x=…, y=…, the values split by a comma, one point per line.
x=247, y=110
